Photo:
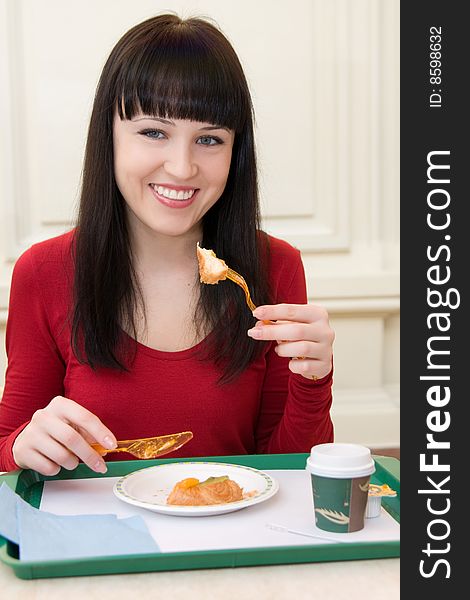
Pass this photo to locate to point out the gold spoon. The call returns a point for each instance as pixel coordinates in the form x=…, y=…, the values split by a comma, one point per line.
x=149, y=447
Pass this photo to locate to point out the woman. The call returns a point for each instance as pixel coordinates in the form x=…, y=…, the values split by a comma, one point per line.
x=110, y=333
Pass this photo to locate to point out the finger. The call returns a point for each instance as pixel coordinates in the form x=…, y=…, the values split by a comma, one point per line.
x=85, y=435
x=35, y=461
x=309, y=368
x=297, y=349
x=40, y=463
x=72, y=440
x=57, y=454
x=79, y=417
x=303, y=313
x=280, y=331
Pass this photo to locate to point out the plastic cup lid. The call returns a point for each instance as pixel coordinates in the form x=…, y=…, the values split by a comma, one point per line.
x=340, y=461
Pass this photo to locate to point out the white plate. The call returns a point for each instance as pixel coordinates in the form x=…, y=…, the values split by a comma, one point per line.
x=149, y=488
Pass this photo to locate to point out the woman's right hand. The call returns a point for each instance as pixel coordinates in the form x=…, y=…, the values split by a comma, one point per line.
x=60, y=435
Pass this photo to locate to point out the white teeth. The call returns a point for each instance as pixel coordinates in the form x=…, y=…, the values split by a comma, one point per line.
x=173, y=194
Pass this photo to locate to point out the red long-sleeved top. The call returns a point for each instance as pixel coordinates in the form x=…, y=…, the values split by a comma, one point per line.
x=267, y=409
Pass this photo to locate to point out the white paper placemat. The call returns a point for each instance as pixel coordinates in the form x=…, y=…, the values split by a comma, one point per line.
x=248, y=528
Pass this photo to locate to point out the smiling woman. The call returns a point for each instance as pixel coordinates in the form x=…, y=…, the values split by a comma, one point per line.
x=177, y=165
x=170, y=83
x=110, y=333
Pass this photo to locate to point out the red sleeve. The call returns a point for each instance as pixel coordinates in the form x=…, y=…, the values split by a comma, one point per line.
x=35, y=370
x=297, y=420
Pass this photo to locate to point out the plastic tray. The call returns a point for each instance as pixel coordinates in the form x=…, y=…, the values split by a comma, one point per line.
x=29, y=485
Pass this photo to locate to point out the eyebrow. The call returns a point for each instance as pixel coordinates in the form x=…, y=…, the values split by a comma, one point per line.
x=166, y=122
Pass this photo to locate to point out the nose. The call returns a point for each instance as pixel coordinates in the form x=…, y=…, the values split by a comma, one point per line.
x=180, y=162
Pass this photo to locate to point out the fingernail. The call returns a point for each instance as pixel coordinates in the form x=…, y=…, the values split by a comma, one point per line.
x=259, y=312
x=109, y=443
x=255, y=332
x=100, y=467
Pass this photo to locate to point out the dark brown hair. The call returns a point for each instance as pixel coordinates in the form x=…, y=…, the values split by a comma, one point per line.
x=183, y=69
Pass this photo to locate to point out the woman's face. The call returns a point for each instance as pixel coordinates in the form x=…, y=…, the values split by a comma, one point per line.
x=170, y=171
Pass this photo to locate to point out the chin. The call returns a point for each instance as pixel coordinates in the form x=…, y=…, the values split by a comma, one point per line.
x=171, y=231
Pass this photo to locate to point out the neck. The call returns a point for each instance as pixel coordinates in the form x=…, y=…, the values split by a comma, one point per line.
x=157, y=252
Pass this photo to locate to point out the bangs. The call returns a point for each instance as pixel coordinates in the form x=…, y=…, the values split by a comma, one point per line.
x=183, y=75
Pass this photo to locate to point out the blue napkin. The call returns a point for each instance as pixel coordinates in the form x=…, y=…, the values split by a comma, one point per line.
x=45, y=536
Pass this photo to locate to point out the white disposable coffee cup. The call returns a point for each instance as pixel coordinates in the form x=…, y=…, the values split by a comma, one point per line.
x=340, y=475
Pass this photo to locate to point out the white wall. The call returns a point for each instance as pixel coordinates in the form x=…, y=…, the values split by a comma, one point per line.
x=324, y=76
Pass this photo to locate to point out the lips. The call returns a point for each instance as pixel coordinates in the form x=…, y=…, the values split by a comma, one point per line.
x=174, y=196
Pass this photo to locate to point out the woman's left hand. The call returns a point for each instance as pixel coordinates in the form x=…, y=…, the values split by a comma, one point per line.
x=303, y=333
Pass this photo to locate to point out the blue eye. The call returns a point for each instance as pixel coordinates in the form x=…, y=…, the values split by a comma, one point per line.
x=153, y=134
x=209, y=140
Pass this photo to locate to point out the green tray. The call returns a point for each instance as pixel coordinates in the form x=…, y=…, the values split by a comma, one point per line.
x=29, y=485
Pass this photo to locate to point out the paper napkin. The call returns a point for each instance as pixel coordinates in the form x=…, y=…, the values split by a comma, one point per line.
x=45, y=536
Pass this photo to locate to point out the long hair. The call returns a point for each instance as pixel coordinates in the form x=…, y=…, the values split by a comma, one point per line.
x=181, y=69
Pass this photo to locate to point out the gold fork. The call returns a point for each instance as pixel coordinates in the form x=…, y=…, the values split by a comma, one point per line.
x=149, y=447
x=239, y=280
x=210, y=275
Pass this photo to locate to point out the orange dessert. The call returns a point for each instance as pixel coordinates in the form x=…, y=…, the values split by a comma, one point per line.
x=211, y=269
x=215, y=490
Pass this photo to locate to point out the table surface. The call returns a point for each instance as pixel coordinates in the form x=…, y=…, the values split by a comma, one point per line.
x=342, y=580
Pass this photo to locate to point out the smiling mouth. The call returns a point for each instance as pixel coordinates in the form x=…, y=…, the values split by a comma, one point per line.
x=172, y=194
